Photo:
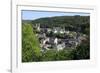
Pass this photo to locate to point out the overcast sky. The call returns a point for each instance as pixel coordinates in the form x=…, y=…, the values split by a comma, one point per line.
x=31, y=15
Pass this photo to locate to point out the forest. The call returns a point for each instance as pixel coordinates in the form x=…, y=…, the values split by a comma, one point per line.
x=71, y=33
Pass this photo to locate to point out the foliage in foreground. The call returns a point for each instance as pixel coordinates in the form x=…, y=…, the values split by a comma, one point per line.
x=30, y=44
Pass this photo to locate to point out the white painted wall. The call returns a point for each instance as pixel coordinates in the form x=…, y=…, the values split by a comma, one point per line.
x=5, y=34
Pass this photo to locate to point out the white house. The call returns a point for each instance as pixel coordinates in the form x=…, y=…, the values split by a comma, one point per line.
x=38, y=27
x=56, y=41
x=60, y=46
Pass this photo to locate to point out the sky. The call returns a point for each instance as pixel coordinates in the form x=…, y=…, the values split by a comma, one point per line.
x=32, y=15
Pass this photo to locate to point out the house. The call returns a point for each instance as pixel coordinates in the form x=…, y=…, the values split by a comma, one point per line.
x=38, y=27
x=56, y=29
x=49, y=30
x=56, y=41
x=67, y=32
x=60, y=46
x=59, y=30
x=62, y=31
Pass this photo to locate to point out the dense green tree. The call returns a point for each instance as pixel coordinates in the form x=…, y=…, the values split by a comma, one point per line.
x=82, y=51
x=30, y=44
x=53, y=55
x=64, y=55
x=49, y=55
